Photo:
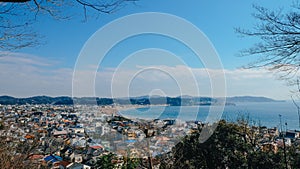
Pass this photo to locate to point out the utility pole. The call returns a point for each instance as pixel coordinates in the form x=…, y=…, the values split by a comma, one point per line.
x=297, y=106
x=145, y=127
x=146, y=131
x=149, y=154
x=283, y=140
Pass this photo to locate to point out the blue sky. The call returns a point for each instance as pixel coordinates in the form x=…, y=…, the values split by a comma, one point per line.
x=47, y=69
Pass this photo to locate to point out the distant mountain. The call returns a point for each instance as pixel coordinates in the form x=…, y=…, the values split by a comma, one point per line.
x=5, y=100
x=142, y=100
x=185, y=96
x=250, y=99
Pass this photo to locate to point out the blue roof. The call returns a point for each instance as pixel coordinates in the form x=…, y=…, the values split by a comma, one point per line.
x=130, y=141
x=53, y=158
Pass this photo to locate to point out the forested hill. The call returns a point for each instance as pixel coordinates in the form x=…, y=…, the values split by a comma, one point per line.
x=142, y=100
x=250, y=99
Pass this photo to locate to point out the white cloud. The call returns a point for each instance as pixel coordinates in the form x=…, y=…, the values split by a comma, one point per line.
x=24, y=75
x=22, y=58
x=257, y=82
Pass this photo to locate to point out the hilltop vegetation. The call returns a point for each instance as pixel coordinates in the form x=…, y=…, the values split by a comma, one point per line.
x=230, y=146
x=143, y=100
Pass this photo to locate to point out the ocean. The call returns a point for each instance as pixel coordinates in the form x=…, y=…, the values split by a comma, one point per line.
x=261, y=113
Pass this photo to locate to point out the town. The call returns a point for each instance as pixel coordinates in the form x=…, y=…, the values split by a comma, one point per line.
x=78, y=136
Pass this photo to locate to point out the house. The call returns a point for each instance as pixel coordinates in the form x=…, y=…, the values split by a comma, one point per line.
x=97, y=147
x=36, y=157
x=29, y=136
x=78, y=130
x=266, y=147
x=78, y=166
x=287, y=142
x=74, y=157
x=78, y=158
x=60, y=165
x=273, y=131
x=52, y=158
x=60, y=133
x=292, y=134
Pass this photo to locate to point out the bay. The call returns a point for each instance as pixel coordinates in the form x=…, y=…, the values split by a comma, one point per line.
x=259, y=113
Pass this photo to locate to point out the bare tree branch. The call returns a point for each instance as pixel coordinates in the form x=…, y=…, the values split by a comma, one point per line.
x=279, y=46
x=17, y=17
x=296, y=104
